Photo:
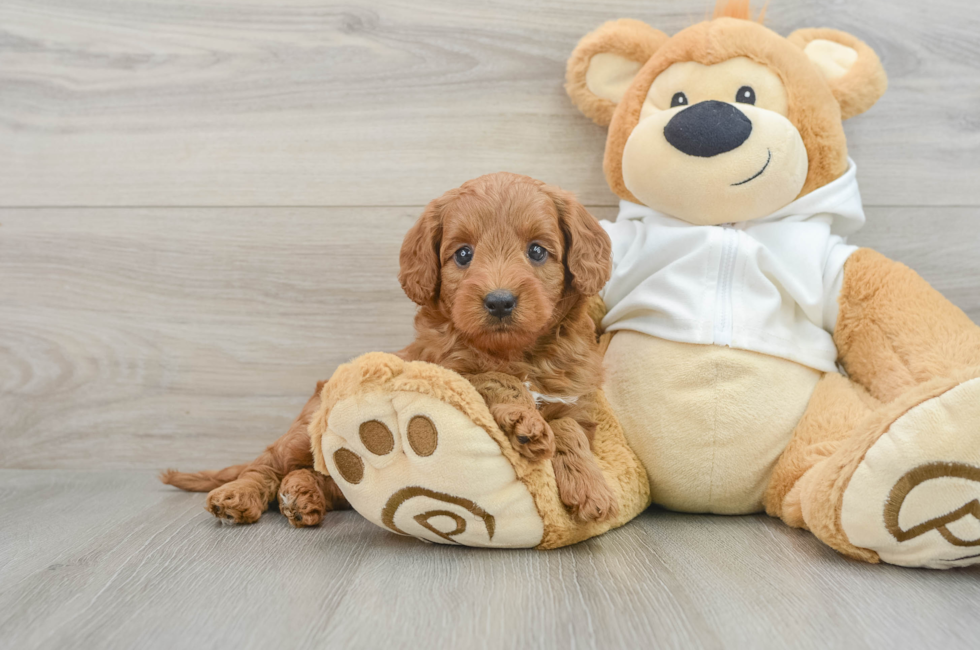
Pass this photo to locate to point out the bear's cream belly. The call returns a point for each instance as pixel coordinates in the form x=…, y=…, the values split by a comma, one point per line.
x=707, y=422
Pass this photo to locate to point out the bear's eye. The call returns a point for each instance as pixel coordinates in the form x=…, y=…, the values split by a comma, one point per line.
x=679, y=99
x=537, y=253
x=463, y=257
x=745, y=95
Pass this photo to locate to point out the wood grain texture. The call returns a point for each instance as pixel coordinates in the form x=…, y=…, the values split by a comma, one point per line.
x=115, y=560
x=162, y=334
x=142, y=338
x=313, y=102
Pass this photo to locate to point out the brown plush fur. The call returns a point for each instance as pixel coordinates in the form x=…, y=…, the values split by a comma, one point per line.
x=812, y=107
x=899, y=340
x=895, y=331
x=821, y=490
x=816, y=106
x=902, y=343
x=835, y=409
x=741, y=9
x=548, y=341
x=864, y=83
x=630, y=39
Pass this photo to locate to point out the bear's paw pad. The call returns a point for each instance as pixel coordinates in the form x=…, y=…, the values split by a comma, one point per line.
x=915, y=498
x=417, y=466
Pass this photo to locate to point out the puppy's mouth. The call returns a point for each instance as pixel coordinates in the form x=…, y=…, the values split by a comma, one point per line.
x=758, y=173
x=508, y=342
x=505, y=331
x=505, y=324
x=508, y=333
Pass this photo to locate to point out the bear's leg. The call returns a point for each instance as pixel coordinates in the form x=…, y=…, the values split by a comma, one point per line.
x=903, y=484
x=415, y=450
x=835, y=409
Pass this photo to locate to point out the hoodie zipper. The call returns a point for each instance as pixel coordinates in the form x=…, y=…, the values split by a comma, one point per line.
x=726, y=280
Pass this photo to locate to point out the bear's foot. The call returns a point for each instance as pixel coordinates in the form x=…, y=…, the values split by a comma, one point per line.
x=416, y=466
x=913, y=497
x=415, y=450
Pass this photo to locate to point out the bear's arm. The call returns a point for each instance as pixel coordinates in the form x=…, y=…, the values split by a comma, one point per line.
x=893, y=330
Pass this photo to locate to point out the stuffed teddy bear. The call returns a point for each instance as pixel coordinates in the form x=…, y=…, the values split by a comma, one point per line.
x=755, y=361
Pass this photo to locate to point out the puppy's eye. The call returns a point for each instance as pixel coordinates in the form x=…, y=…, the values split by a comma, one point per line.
x=537, y=253
x=679, y=99
x=463, y=256
x=745, y=95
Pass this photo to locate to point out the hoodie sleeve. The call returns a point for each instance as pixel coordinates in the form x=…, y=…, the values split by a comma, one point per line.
x=838, y=250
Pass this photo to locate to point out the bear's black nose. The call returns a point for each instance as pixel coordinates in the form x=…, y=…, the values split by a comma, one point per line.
x=708, y=129
x=500, y=303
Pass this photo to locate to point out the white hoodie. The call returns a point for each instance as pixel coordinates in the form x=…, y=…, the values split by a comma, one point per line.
x=769, y=285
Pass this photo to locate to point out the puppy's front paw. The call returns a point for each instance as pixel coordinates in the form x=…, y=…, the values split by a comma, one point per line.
x=584, y=490
x=529, y=433
x=598, y=505
x=238, y=502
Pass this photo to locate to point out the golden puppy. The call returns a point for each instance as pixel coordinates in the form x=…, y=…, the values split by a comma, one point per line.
x=502, y=269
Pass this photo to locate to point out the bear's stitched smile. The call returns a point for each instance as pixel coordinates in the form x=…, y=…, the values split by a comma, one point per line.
x=758, y=173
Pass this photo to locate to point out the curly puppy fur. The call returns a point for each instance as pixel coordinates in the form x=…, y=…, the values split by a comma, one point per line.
x=547, y=342
x=241, y=493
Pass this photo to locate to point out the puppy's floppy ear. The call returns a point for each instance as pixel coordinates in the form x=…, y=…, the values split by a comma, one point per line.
x=604, y=63
x=851, y=68
x=588, y=251
x=419, y=257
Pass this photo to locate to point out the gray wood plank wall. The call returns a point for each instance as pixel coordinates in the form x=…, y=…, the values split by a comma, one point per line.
x=201, y=203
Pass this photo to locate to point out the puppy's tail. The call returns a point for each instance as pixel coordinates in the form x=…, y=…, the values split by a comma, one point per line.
x=201, y=481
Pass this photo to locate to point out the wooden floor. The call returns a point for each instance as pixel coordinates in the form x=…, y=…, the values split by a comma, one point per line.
x=115, y=560
x=201, y=205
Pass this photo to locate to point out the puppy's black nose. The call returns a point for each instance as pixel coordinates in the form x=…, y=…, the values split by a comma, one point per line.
x=708, y=129
x=500, y=303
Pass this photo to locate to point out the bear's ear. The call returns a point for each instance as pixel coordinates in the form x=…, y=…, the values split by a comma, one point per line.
x=603, y=65
x=851, y=68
